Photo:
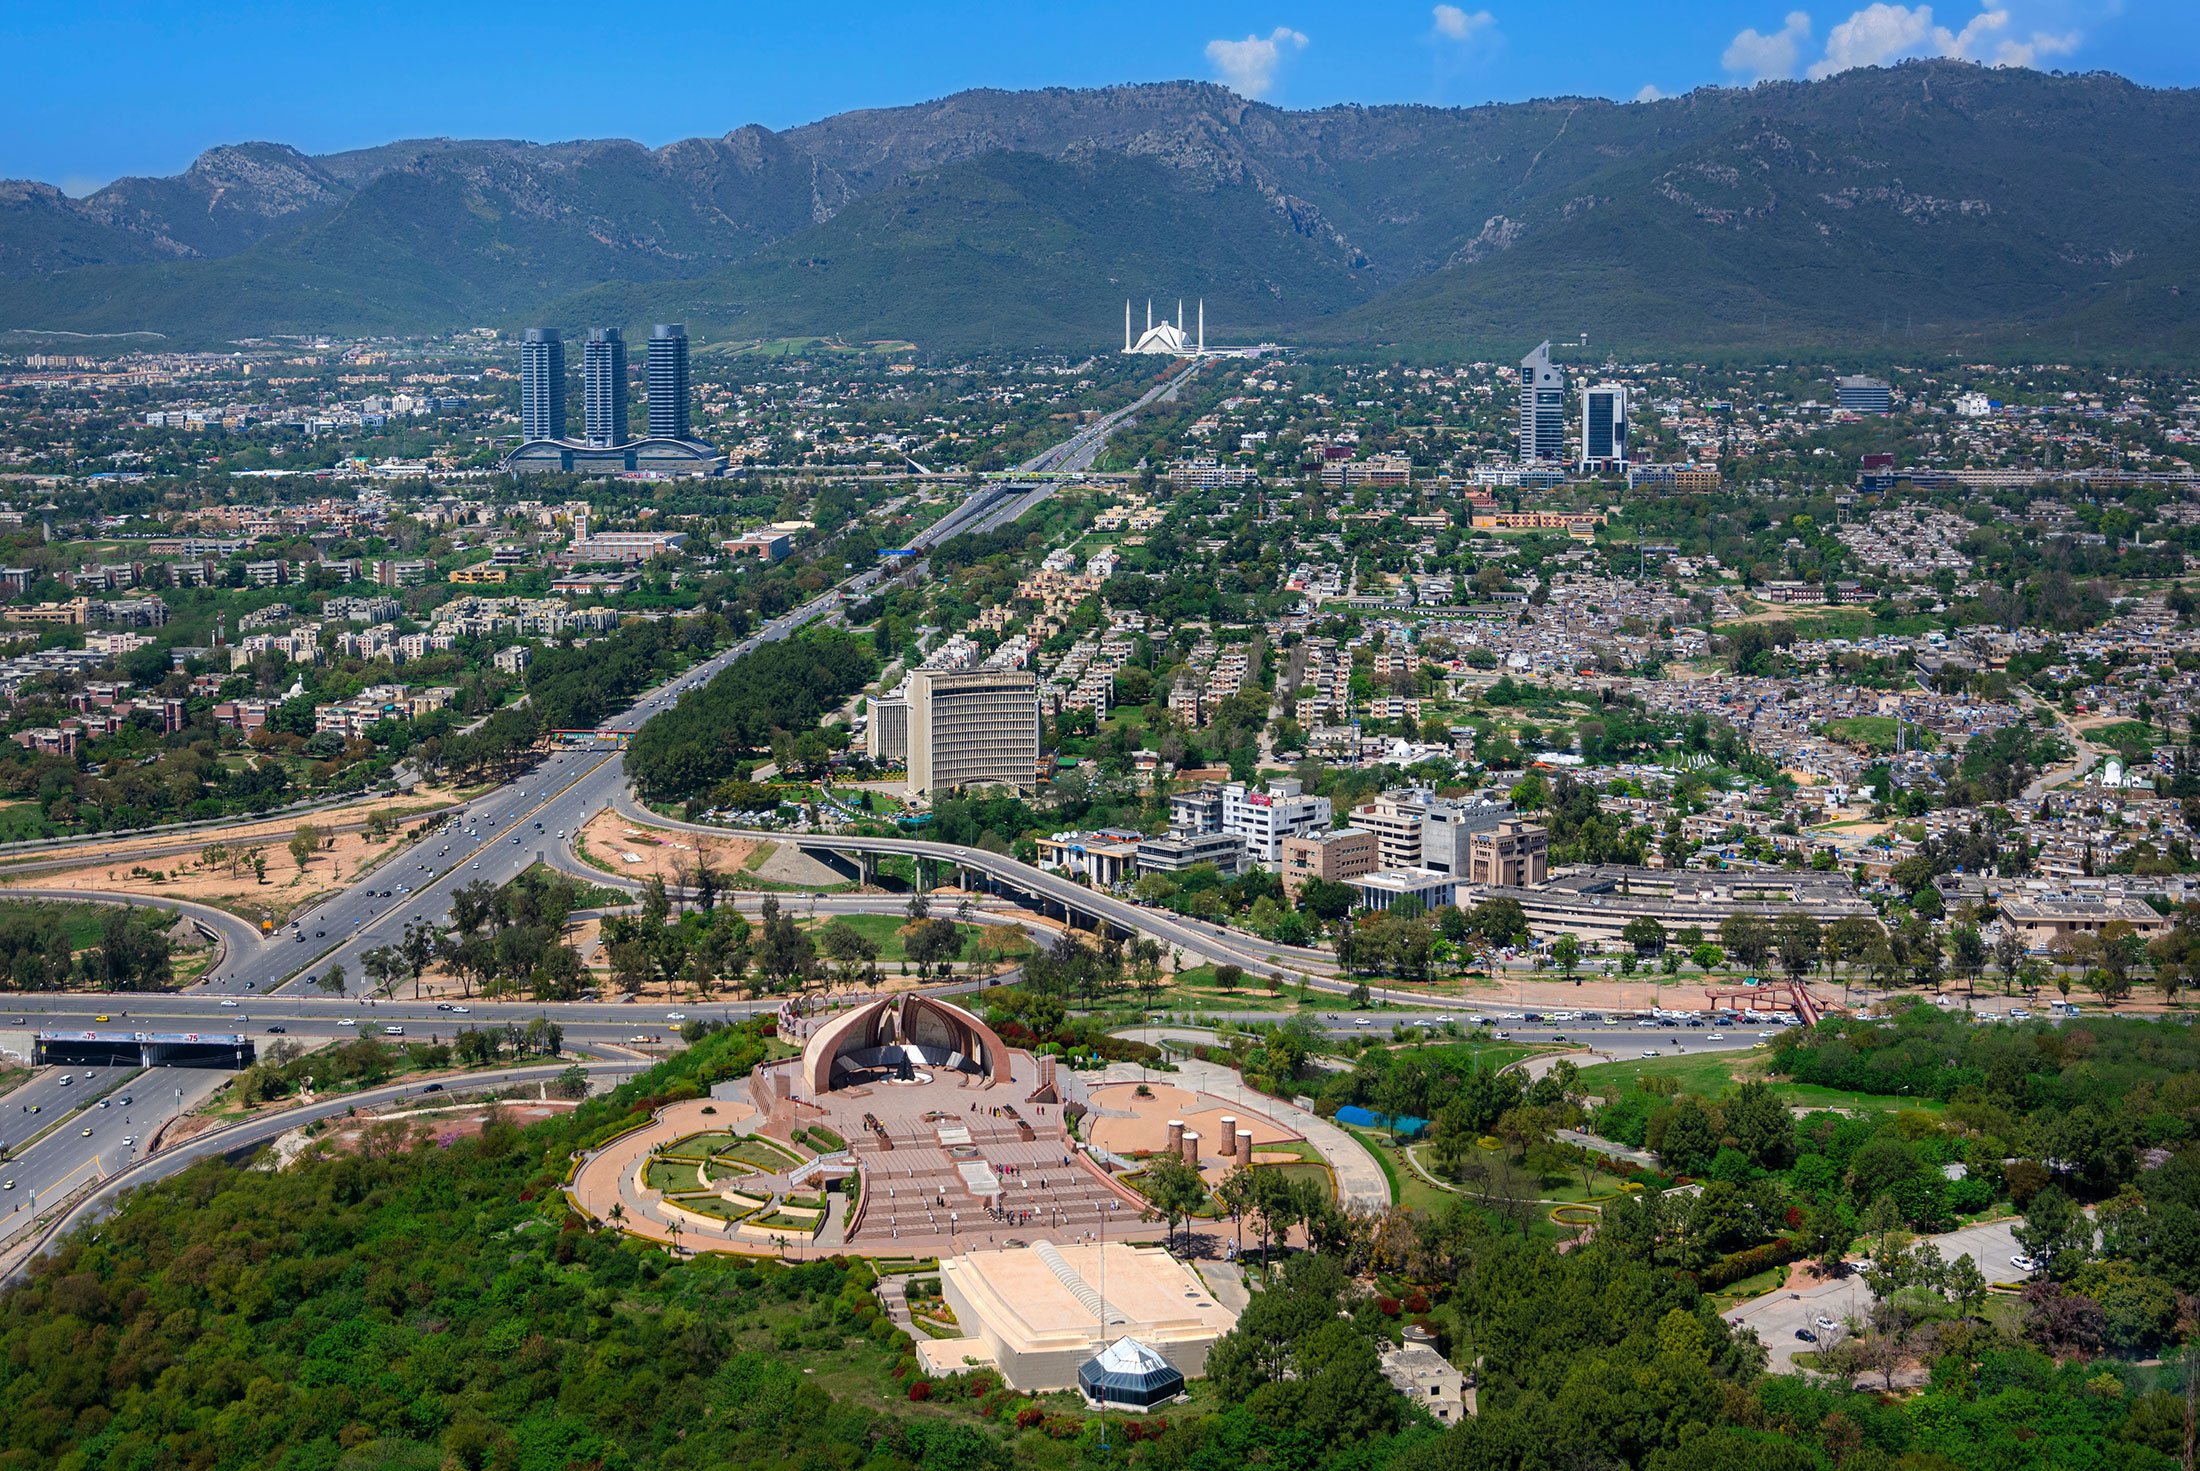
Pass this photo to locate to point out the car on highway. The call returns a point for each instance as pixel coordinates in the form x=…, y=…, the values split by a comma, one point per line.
x=345, y=1021
x=393, y=1031
x=675, y=1016
x=462, y=1010
x=10, y=1185
x=124, y=1100
x=87, y=1133
x=100, y=1018
x=277, y=1031
x=102, y=1103
x=64, y=1080
x=1651, y=1052
x=226, y=1001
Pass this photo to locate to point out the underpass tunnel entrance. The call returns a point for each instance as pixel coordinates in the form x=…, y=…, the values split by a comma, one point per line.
x=142, y=1049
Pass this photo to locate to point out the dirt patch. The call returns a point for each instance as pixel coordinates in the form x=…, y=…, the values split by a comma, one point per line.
x=637, y=852
x=221, y=874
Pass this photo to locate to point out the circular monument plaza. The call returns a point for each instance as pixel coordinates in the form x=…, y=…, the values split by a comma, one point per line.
x=906, y=1127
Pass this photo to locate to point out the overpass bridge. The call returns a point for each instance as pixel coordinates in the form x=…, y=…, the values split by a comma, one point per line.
x=142, y=1049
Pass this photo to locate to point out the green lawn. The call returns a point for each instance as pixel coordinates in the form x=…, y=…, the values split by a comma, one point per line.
x=669, y=1176
x=1709, y=1073
x=883, y=930
x=763, y=1153
x=23, y=821
x=1712, y=1073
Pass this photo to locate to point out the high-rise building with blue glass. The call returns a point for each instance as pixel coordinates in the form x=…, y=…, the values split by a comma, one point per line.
x=1542, y=409
x=668, y=381
x=603, y=386
x=1604, y=427
x=542, y=385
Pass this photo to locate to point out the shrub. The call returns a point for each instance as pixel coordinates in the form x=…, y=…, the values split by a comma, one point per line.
x=921, y=1390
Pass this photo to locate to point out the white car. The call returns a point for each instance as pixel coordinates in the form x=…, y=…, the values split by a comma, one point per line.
x=1651, y=1052
x=675, y=1016
x=64, y=1080
x=1824, y=1324
x=345, y=1021
x=463, y=1010
x=227, y=1002
x=2024, y=1263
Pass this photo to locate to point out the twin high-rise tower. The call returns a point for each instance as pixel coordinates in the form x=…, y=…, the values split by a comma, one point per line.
x=607, y=445
x=1543, y=417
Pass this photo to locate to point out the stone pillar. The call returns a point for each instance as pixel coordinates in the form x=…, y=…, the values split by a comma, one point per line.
x=1191, y=1148
x=1245, y=1146
x=1176, y=1135
x=1228, y=1143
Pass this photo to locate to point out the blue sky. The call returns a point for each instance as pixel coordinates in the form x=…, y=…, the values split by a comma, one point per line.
x=105, y=89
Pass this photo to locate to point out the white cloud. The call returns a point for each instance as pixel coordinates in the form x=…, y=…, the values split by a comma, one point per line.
x=1248, y=67
x=1881, y=33
x=1756, y=56
x=1455, y=24
x=1874, y=36
x=1649, y=93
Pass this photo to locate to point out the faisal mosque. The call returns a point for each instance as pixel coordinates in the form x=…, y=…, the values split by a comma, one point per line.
x=1169, y=339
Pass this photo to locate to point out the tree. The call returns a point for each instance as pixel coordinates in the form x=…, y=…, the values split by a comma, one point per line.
x=421, y=944
x=1826, y=1235
x=384, y=968
x=1176, y=1191
x=331, y=981
x=1747, y=938
x=1882, y=1218
x=2056, y=1232
x=303, y=843
x=1760, y=1126
x=1645, y=933
x=1966, y=1285
x=1566, y=951
x=1238, y=1195
x=1798, y=937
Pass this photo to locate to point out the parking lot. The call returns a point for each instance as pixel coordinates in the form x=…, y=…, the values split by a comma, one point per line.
x=1777, y=1315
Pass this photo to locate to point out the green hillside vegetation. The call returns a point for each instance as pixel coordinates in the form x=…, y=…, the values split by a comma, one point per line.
x=1929, y=205
x=416, y=1305
x=1011, y=248
x=711, y=735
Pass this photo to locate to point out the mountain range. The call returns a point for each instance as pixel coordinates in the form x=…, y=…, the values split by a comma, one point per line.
x=1930, y=203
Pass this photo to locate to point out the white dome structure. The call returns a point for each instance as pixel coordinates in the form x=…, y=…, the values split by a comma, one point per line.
x=1169, y=339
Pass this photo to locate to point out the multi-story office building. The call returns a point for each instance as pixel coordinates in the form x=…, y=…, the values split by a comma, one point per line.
x=973, y=728
x=1511, y=855
x=1604, y=427
x=1542, y=409
x=1416, y=829
x=1339, y=855
x=1197, y=810
x=603, y=386
x=542, y=384
x=1178, y=852
x=668, y=381
x=1262, y=820
x=1864, y=395
x=886, y=738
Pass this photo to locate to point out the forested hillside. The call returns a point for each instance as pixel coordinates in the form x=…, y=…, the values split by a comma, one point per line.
x=1931, y=203
x=432, y=1304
